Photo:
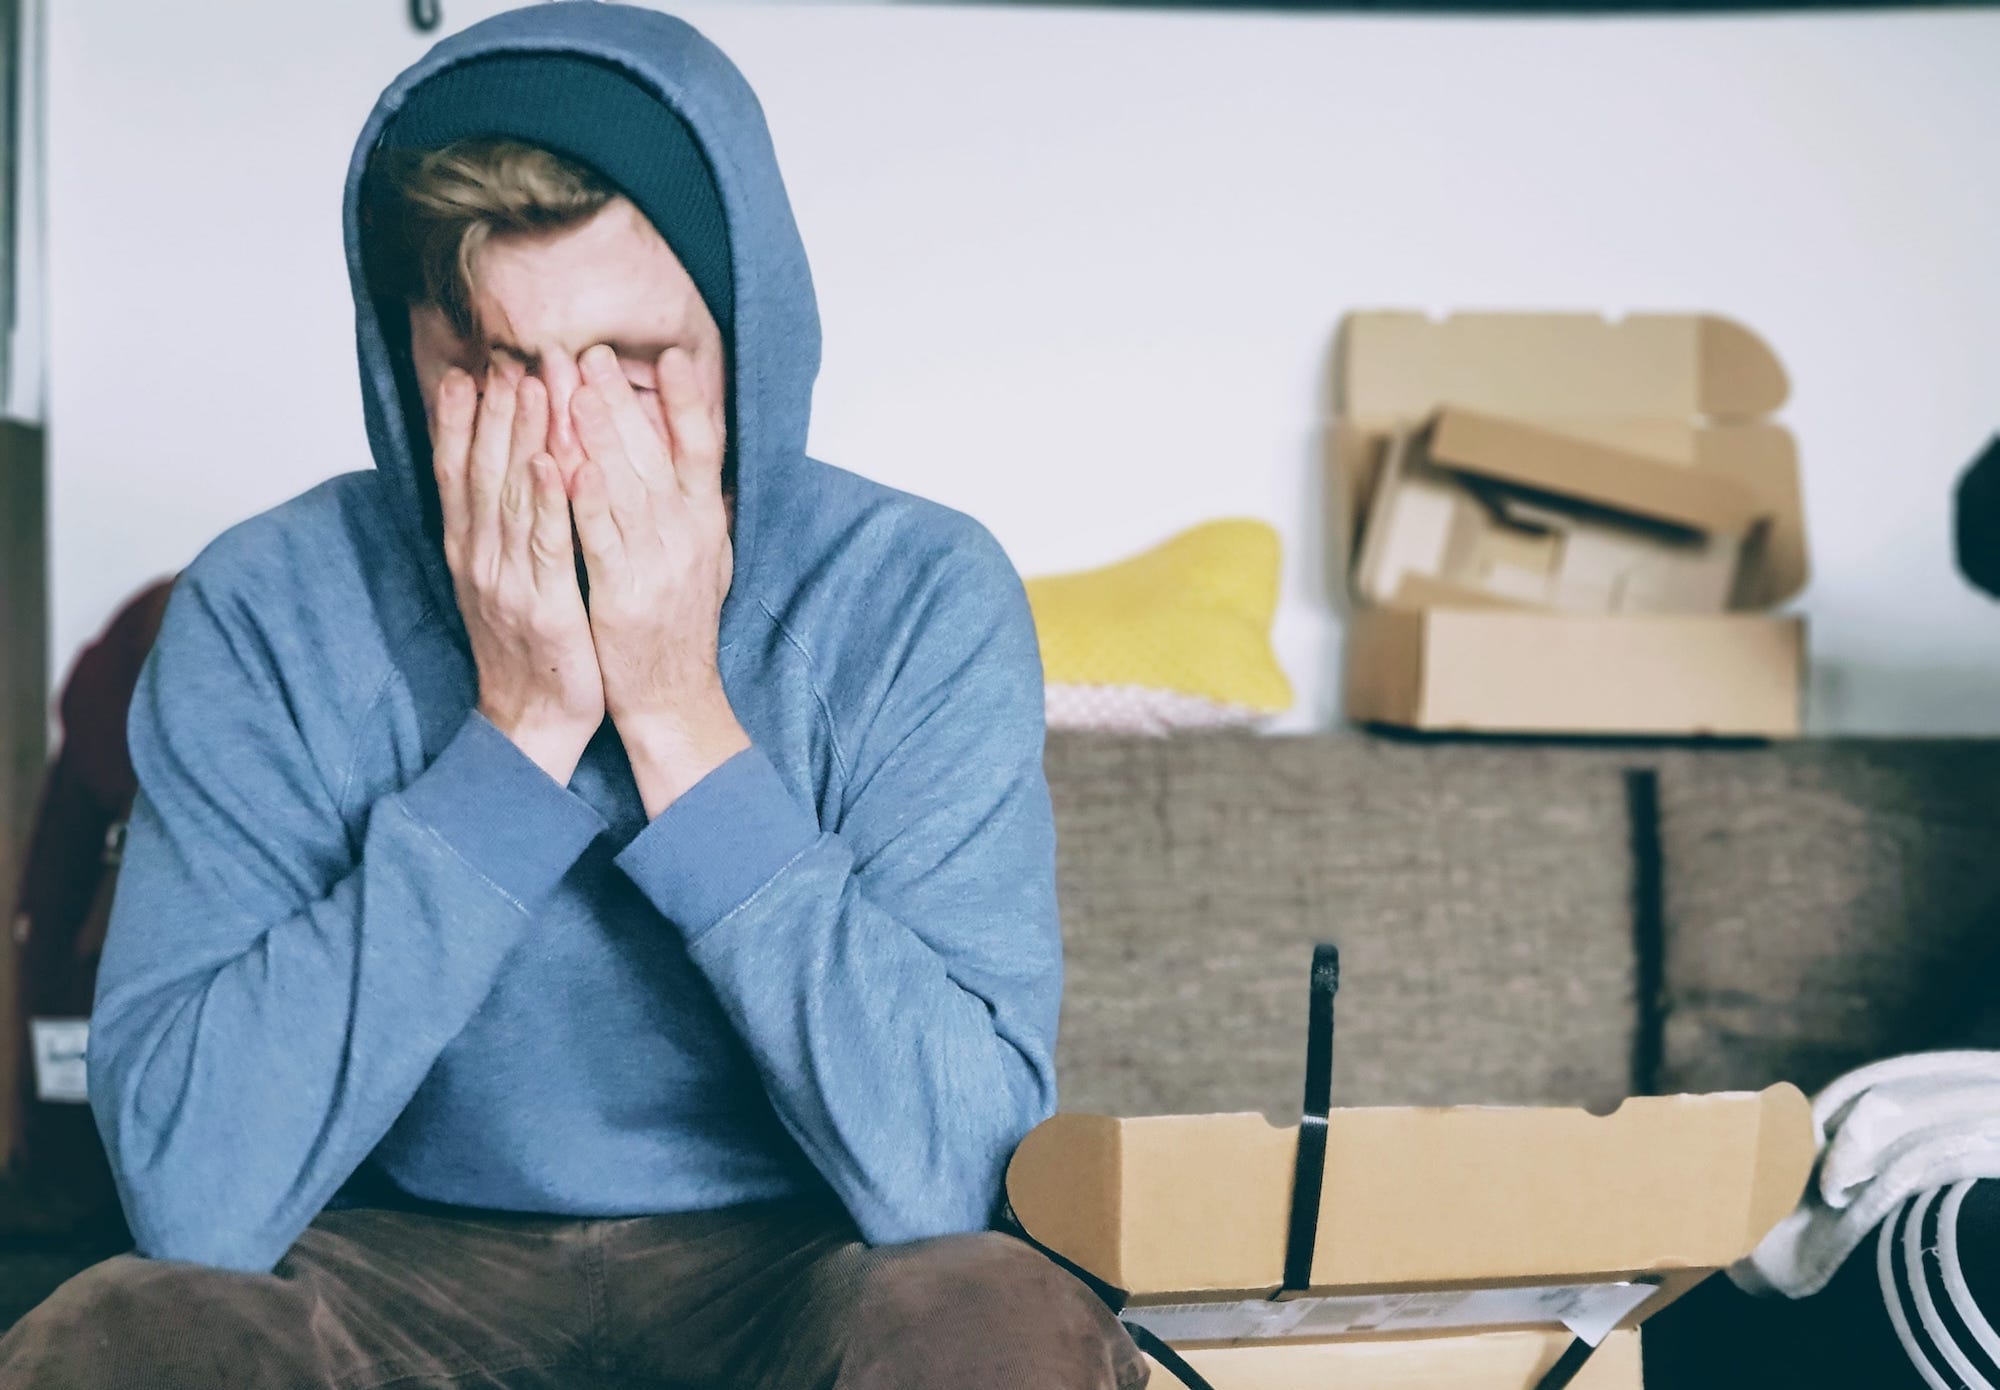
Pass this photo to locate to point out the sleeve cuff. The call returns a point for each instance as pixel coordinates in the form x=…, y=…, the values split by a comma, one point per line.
x=502, y=814
x=719, y=842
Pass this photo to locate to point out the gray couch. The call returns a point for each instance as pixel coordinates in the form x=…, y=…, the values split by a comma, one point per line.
x=1519, y=922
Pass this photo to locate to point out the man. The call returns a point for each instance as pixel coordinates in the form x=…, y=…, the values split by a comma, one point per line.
x=588, y=915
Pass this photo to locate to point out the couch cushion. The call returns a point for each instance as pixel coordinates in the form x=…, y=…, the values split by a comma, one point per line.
x=1825, y=904
x=1480, y=895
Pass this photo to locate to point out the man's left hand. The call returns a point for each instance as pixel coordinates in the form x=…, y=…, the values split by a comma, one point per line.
x=654, y=528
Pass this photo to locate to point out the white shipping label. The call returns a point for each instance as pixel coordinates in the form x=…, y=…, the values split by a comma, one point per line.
x=59, y=1044
x=1589, y=1311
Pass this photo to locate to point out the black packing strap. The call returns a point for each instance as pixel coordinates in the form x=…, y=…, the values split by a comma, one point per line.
x=1108, y=1293
x=1149, y=1342
x=1309, y=1171
x=1567, y=1365
x=1113, y=1298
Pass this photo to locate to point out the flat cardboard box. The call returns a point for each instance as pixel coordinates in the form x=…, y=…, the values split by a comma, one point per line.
x=1673, y=391
x=1439, y=1229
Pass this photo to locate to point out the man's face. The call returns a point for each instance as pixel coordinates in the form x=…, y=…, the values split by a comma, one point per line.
x=541, y=300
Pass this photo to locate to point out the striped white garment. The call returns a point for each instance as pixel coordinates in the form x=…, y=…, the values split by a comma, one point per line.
x=1949, y=1339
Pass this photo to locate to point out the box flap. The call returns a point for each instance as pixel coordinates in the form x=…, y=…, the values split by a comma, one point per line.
x=1396, y=364
x=1415, y=1197
x=1764, y=458
x=1530, y=455
x=1066, y=1172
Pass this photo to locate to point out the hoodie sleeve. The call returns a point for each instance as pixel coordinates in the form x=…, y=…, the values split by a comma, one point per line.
x=897, y=979
x=274, y=986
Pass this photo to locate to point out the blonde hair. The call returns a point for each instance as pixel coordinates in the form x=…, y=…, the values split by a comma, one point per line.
x=431, y=211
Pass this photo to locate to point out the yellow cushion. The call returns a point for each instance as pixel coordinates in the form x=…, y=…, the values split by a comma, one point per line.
x=1191, y=616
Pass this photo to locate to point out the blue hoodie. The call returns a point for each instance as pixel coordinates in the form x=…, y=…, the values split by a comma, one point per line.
x=361, y=942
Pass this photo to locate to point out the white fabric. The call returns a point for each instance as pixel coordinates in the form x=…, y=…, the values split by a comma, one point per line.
x=1139, y=709
x=1885, y=1131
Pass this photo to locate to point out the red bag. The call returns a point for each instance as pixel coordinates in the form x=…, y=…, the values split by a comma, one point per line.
x=61, y=911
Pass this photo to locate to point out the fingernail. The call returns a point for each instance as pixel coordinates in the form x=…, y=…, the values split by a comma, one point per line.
x=601, y=357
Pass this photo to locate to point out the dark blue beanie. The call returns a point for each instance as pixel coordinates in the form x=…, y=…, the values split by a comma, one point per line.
x=594, y=114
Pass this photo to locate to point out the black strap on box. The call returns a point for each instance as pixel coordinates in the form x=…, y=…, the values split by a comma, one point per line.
x=1567, y=1365
x=1113, y=1298
x=1309, y=1167
x=1308, y=1172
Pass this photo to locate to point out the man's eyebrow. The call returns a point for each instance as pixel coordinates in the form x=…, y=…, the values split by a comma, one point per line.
x=509, y=350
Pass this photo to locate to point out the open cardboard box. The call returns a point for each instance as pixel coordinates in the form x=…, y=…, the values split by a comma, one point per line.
x=1562, y=524
x=1497, y=512
x=1457, y=1248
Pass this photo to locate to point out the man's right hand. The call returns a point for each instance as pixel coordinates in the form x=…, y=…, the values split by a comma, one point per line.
x=513, y=566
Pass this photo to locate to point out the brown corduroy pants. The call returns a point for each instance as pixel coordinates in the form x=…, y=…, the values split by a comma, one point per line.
x=776, y=1295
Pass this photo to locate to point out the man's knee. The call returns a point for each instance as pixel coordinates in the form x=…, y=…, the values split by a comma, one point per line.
x=983, y=1309
x=131, y=1321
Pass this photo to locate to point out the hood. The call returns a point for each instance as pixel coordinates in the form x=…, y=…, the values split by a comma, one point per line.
x=774, y=320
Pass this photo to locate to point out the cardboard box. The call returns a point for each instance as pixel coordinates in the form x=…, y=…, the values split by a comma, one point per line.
x=1459, y=1246
x=1561, y=524
x=1458, y=668
x=1506, y=512
x=1486, y=1361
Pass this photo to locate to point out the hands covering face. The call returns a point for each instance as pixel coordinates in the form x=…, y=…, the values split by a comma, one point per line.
x=655, y=535
x=653, y=527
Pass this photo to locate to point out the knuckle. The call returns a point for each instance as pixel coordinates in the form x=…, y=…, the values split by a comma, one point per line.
x=479, y=567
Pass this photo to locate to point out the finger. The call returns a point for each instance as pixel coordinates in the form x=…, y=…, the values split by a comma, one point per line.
x=451, y=435
x=549, y=551
x=626, y=493
x=643, y=448
x=712, y=369
x=517, y=511
x=531, y=419
x=697, y=444
x=596, y=527
x=488, y=468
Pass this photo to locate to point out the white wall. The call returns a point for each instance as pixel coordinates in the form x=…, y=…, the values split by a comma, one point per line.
x=1080, y=271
